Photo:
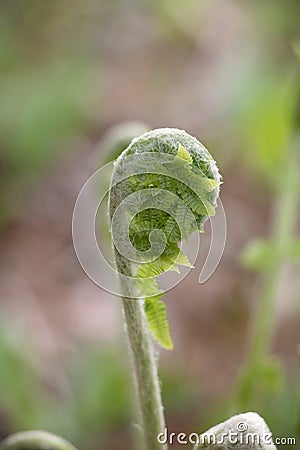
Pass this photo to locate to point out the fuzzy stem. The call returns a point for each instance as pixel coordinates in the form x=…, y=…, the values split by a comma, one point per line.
x=173, y=152
x=35, y=440
x=285, y=216
x=144, y=366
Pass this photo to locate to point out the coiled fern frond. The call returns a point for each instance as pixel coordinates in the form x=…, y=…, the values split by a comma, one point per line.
x=169, y=184
x=35, y=440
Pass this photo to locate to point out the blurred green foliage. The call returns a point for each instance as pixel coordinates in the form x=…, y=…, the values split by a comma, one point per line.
x=40, y=109
x=281, y=19
x=266, y=119
x=47, y=51
x=43, y=104
x=118, y=137
x=23, y=394
x=101, y=397
x=268, y=125
x=179, y=22
x=97, y=402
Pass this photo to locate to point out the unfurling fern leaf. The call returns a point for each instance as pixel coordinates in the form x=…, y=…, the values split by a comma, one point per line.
x=156, y=314
x=174, y=195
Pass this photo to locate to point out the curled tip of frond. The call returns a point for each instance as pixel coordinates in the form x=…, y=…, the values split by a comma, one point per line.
x=172, y=184
x=35, y=440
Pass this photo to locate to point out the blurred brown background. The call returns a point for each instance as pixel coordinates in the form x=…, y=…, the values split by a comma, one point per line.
x=227, y=72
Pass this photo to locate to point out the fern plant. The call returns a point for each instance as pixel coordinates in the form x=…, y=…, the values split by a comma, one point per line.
x=169, y=184
x=35, y=440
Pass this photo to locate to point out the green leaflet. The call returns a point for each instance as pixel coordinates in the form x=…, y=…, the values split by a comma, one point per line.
x=182, y=260
x=155, y=309
x=172, y=231
x=158, y=322
x=184, y=154
x=169, y=260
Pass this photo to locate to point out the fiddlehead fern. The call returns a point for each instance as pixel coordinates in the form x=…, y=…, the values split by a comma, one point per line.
x=163, y=188
x=177, y=182
x=35, y=440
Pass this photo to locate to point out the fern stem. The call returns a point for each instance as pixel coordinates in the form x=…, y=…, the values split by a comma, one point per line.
x=285, y=217
x=144, y=366
x=173, y=153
